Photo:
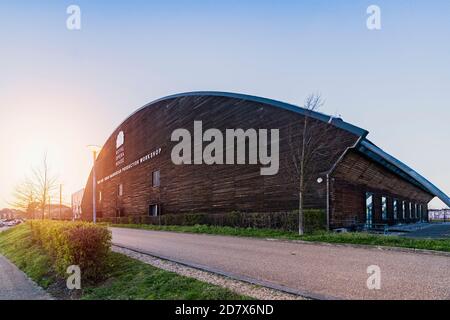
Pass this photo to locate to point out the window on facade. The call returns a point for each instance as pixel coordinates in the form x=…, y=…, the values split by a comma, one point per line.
x=120, y=190
x=384, y=208
x=410, y=210
x=156, y=178
x=421, y=212
x=153, y=210
x=395, y=208
x=404, y=210
x=369, y=209
x=416, y=212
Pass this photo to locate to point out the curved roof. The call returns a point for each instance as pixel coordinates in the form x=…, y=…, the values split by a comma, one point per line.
x=338, y=122
x=364, y=145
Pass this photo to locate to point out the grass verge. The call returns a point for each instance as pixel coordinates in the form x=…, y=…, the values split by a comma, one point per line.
x=360, y=238
x=126, y=279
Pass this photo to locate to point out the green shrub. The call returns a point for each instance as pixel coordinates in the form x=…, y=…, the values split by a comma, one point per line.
x=315, y=220
x=195, y=218
x=74, y=243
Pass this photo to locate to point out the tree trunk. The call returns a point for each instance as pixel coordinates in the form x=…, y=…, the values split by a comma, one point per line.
x=302, y=180
x=300, y=214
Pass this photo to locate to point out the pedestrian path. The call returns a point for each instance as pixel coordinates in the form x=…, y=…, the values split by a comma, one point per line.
x=15, y=285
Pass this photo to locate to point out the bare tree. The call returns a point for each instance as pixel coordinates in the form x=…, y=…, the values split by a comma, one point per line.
x=24, y=198
x=309, y=143
x=33, y=193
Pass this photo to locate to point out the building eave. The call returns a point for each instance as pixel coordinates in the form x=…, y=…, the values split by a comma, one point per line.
x=375, y=153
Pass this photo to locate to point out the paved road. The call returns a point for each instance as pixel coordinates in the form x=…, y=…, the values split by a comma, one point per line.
x=319, y=270
x=434, y=231
x=14, y=285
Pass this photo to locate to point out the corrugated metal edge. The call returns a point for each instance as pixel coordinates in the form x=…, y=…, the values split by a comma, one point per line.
x=427, y=185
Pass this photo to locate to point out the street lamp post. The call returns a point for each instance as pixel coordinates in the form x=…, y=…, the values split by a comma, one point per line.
x=95, y=150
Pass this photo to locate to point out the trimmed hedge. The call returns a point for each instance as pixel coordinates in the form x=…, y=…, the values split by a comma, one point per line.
x=74, y=243
x=315, y=220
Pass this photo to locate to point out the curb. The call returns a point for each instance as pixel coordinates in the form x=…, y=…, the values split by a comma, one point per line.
x=262, y=283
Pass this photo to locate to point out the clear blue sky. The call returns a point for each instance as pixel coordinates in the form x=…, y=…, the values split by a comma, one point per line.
x=61, y=90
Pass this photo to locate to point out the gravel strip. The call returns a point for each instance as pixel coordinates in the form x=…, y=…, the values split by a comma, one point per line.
x=243, y=288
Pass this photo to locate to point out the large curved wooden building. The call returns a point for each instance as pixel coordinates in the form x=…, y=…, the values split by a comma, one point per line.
x=348, y=176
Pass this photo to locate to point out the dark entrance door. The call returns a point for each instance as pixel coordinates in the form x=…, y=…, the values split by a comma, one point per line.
x=369, y=209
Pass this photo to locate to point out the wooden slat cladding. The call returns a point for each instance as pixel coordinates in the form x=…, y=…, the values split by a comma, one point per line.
x=354, y=176
x=208, y=188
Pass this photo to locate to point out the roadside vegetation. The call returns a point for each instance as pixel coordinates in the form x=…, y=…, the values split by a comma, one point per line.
x=121, y=278
x=82, y=244
x=358, y=238
x=440, y=220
